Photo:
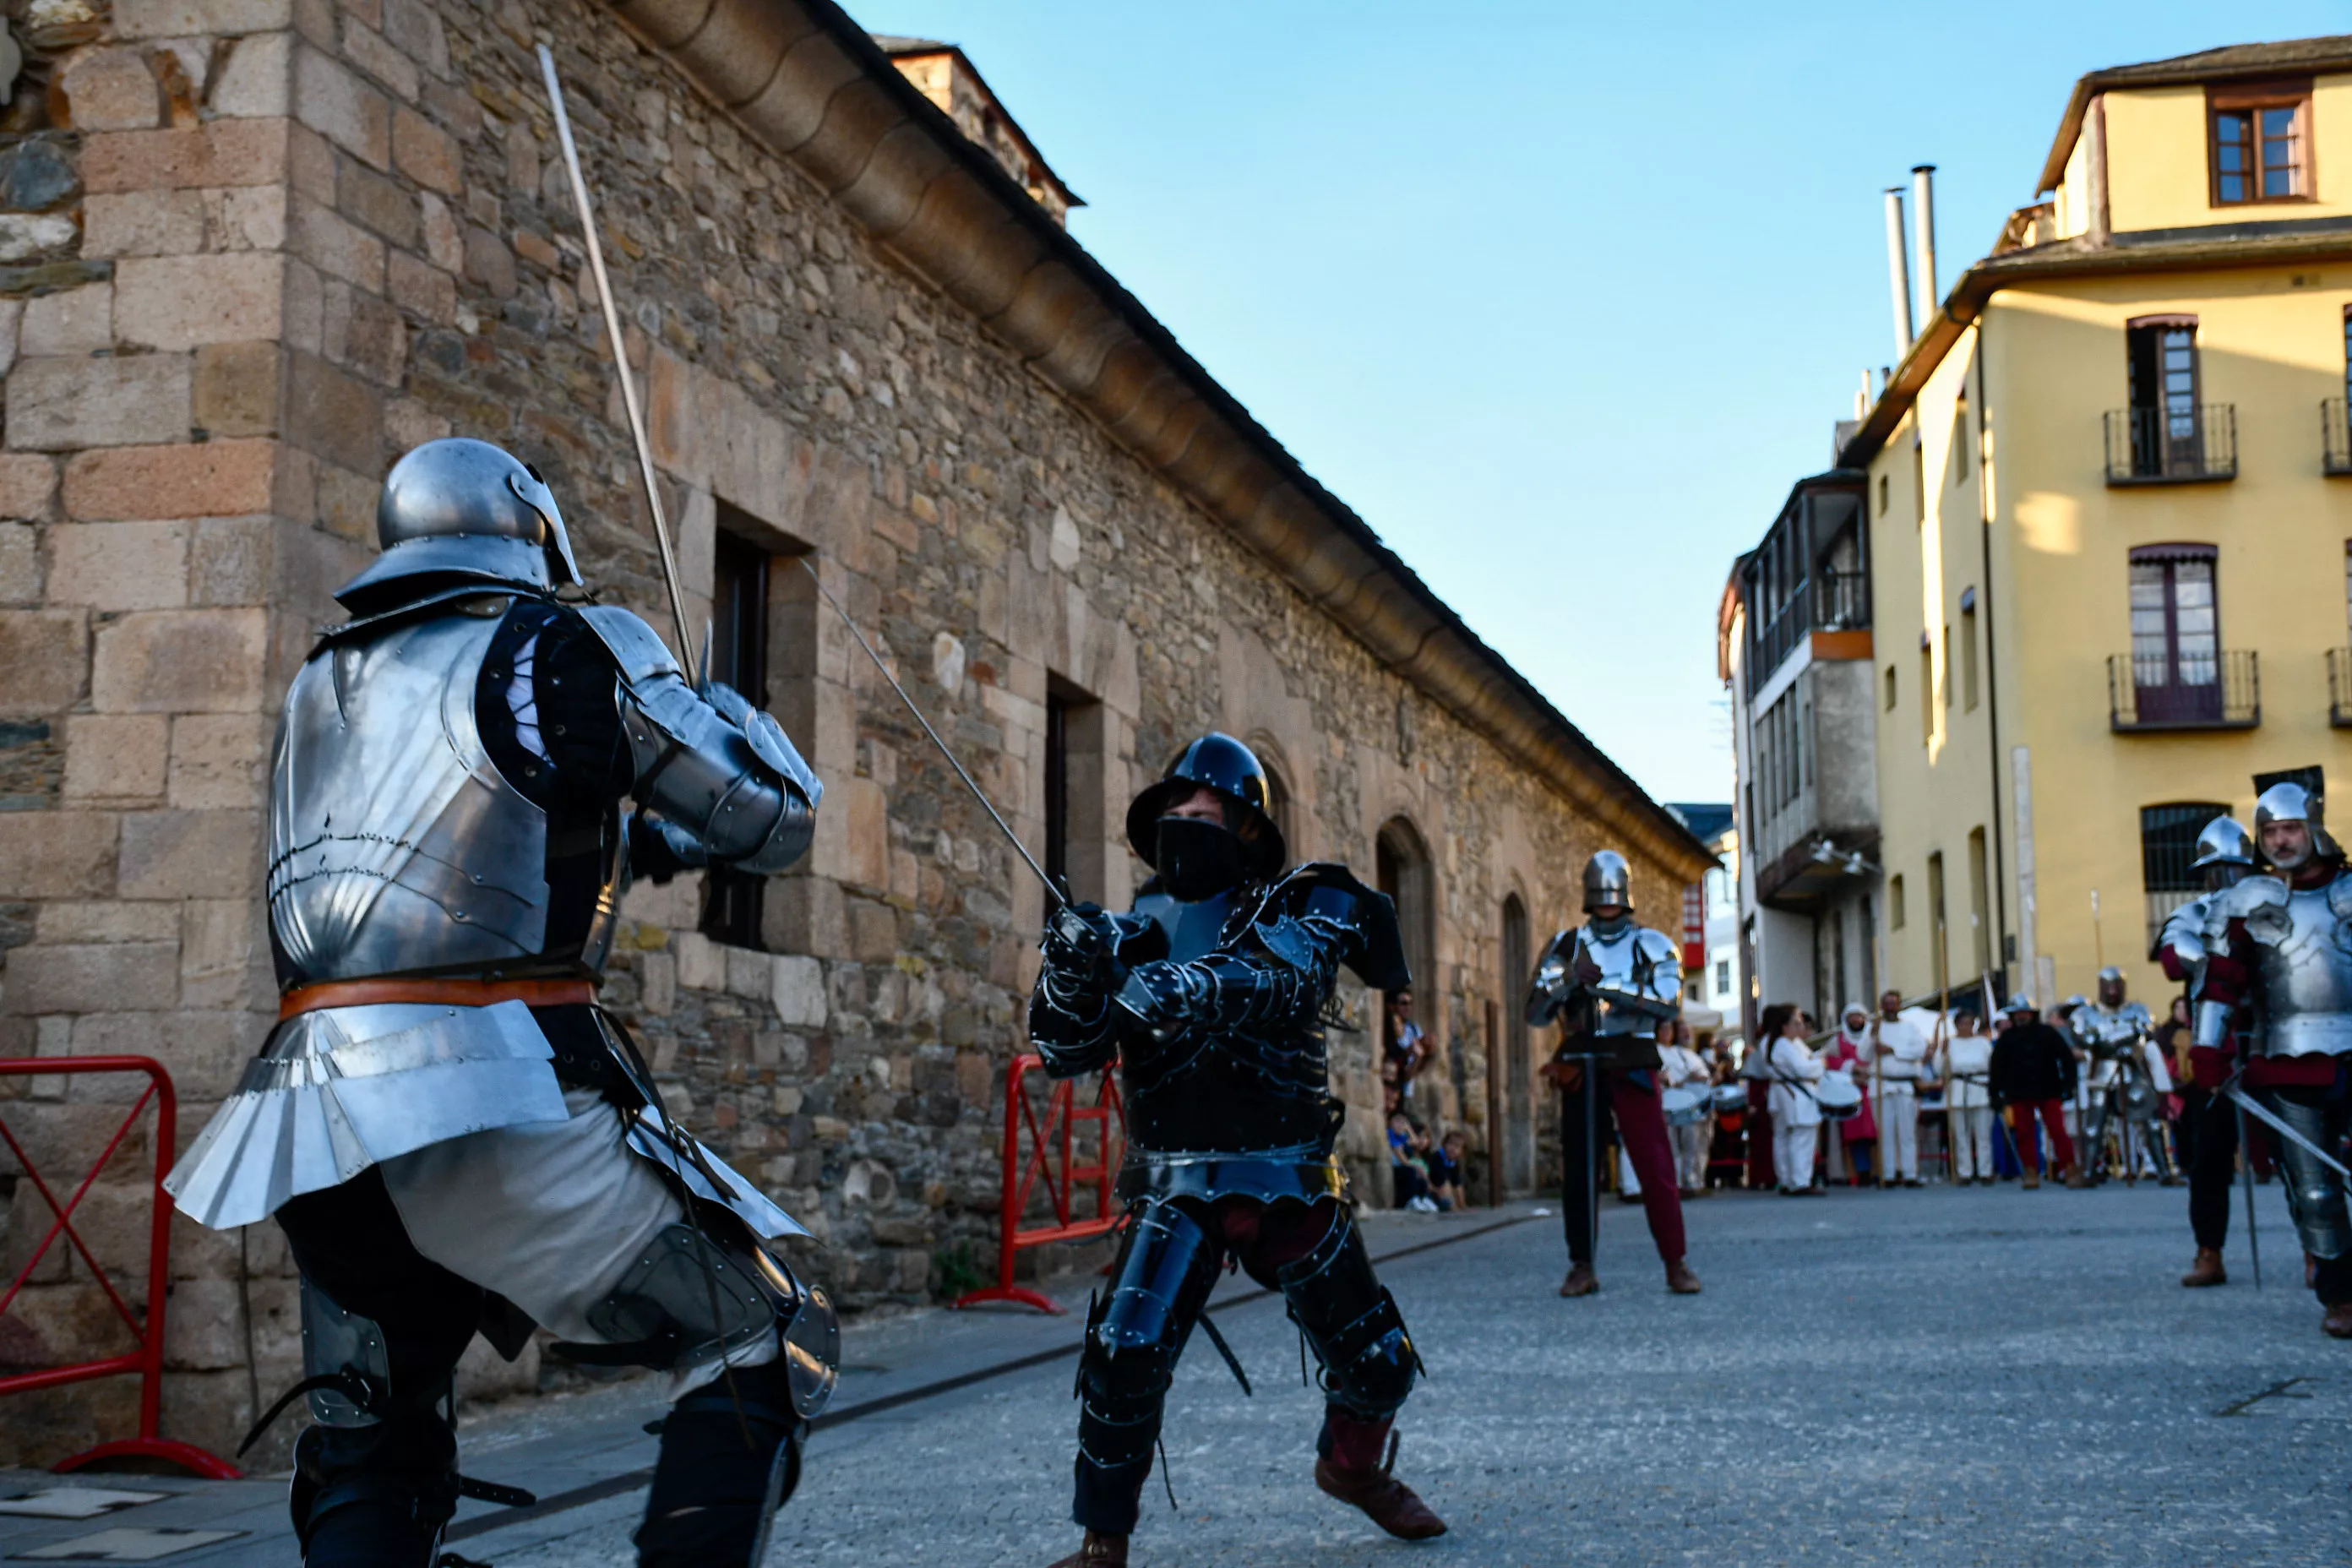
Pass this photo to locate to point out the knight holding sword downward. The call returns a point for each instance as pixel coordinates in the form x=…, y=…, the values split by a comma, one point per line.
x=1609, y=983
x=2282, y=942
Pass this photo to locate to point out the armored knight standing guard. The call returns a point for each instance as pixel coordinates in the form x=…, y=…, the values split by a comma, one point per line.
x=451, y=1132
x=2128, y=1080
x=2283, y=943
x=1211, y=996
x=1609, y=983
x=2208, y=1120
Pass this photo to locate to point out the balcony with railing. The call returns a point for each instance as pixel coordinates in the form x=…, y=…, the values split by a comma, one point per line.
x=2334, y=436
x=1840, y=601
x=2187, y=691
x=2190, y=445
x=2339, y=688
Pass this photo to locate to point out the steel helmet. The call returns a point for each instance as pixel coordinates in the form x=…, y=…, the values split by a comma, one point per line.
x=1608, y=881
x=1232, y=770
x=2223, y=842
x=465, y=510
x=2289, y=802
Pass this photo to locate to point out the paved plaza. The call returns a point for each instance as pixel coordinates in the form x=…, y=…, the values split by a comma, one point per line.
x=1924, y=1377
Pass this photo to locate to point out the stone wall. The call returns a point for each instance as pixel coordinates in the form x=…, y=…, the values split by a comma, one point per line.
x=257, y=248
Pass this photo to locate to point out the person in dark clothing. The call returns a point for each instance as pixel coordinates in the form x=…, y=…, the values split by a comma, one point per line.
x=2034, y=1075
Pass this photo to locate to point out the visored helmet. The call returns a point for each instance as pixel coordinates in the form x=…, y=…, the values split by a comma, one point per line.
x=1232, y=770
x=460, y=509
x=2223, y=842
x=2290, y=802
x=1608, y=881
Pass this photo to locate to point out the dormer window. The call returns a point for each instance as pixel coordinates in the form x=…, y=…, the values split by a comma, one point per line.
x=2261, y=142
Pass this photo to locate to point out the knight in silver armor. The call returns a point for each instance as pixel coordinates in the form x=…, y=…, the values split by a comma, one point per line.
x=1211, y=996
x=451, y=1132
x=2128, y=1080
x=2208, y=1125
x=2280, y=943
x=1608, y=984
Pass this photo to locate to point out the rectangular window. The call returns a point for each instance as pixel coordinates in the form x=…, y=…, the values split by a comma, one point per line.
x=1940, y=954
x=1073, y=850
x=2261, y=142
x=1979, y=904
x=2160, y=353
x=733, y=901
x=1918, y=483
x=1926, y=686
x=1890, y=688
x=1722, y=975
x=1884, y=504
x=1948, y=666
x=2168, y=852
x=2176, y=634
x=1969, y=652
x=1894, y=911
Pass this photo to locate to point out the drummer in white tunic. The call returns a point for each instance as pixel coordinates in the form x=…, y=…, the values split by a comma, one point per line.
x=1901, y=1045
x=1795, y=1068
x=1690, y=1119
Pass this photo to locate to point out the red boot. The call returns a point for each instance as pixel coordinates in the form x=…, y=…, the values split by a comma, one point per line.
x=1386, y=1500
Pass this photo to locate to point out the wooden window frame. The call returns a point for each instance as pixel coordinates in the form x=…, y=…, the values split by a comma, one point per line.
x=2254, y=97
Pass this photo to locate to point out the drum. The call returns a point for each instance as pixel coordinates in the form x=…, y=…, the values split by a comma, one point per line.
x=1730, y=1098
x=2141, y=1102
x=1684, y=1107
x=1838, y=1096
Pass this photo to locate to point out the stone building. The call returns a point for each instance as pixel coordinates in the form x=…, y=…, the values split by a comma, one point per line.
x=254, y=248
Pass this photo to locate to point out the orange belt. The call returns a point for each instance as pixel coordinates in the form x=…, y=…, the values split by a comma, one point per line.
x=454, y=993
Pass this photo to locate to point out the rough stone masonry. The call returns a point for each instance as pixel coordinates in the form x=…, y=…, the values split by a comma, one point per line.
x=253, y=250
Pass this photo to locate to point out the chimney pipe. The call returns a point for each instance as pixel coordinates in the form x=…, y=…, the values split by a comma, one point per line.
x=1861, y=398
x=1899, y=264
x=1923, y=219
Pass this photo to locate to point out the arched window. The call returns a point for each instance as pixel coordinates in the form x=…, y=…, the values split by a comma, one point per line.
x=1401, y=869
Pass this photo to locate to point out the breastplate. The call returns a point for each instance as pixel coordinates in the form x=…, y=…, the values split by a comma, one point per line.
x=2306, y=954
x=1619, y=960
x=395, y=846
x=1193, y=929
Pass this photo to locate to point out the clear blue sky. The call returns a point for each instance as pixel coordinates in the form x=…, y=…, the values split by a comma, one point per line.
x=1560, y=298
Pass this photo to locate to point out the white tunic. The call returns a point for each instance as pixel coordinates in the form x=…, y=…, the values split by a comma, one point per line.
x=1790, y=1106
x=1967, y=1062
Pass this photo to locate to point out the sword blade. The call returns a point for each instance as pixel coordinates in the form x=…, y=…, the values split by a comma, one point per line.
x=2254, y=1108
x=1054, y=892
x=620, y=350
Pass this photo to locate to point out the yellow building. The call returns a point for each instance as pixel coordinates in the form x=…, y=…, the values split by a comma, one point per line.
x=2110, y=501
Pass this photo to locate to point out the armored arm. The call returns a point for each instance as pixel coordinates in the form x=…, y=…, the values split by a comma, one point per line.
x=1276, y=980
x=1548, y=990
x=1086, y=953
x=719, y=774
x=2230, y=940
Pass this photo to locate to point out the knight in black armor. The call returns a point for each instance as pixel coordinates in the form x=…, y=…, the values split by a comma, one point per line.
x=1211, y=996
x=2280, y=944
x=453, y=1136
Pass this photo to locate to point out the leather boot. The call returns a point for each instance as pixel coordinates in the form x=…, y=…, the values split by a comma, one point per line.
x=1097, y=1552
x=1680, y=1280
x=1386, y=1500
x=2075, y=1177
x=2033, y=1180
x=2206, y=1271
x=2338, y=1322
x=1580, y=1280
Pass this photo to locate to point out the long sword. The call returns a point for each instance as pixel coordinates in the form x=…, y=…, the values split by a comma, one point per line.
x=2253, y=1107
x=1052, y=891
x=2246, y=1163
x=620, y=352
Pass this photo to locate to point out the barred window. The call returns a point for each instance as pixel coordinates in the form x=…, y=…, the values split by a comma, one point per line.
x=2167, y=846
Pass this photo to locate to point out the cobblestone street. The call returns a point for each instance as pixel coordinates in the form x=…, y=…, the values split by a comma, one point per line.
x=1924, y=1378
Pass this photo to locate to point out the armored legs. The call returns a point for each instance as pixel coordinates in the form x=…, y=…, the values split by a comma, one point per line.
x=561, y=1222
x=1314, y=1256
x=2316, y=1195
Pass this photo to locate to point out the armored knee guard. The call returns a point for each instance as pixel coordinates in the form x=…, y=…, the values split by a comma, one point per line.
x=1134, y=1338
x=1352, y=1323
x=376, y=1479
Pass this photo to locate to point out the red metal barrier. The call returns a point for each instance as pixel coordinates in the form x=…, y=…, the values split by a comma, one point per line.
x=147, y=1360
x=1052, y=1152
